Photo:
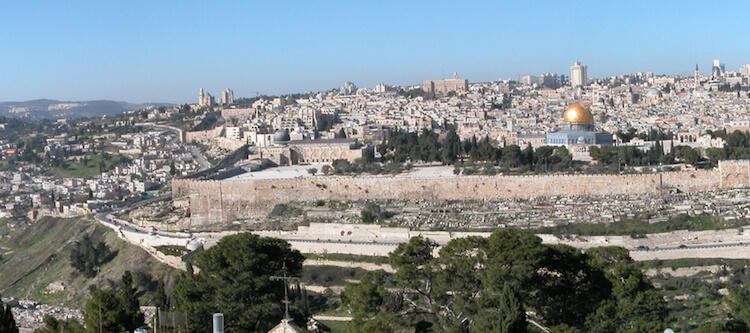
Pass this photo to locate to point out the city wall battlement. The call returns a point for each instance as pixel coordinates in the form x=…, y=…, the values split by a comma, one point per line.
x=212, y=201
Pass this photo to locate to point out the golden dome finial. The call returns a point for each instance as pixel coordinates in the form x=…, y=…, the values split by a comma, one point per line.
x=578, y=114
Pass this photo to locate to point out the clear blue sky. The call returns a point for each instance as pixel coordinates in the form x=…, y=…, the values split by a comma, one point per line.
x=164, y=51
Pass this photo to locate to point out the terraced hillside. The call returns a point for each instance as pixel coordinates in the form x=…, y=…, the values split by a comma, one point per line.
x=35, y=264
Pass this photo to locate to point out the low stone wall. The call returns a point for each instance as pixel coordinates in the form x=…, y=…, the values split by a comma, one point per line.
x=228, y=200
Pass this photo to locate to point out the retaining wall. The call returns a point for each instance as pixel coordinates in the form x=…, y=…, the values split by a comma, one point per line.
x=227, y=200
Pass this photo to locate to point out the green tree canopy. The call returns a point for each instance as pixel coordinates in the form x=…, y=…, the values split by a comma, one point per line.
x=486, y=285
x=130, y=302
x=234, y=279
x=53, y=325
x=7, y=322
x=86, y=256
x=738, y=301
x=115, y=315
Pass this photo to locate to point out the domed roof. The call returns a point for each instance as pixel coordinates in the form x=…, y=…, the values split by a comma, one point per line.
x=281, y=136
x=653, y=92
x=578, y=114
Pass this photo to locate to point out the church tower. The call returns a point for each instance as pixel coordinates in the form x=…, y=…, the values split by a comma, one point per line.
x=697, y=75
x=201, y=96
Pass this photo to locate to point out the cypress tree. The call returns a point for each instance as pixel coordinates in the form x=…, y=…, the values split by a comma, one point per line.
x=7, y=322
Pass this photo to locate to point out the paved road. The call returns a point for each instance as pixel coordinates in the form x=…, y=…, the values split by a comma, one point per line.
x=199, y=158
x=197, y=155
x=176, y=130
x=710, y=250
x=692, y=247
x=107, y=219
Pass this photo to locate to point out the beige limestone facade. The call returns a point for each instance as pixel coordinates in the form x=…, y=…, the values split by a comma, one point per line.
x=229, y=200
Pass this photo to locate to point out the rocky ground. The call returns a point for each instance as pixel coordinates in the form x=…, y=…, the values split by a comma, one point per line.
x=30, y=315
x=730, y=204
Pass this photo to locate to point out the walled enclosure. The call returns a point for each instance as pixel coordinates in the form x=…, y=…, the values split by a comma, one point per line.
x=228, y=200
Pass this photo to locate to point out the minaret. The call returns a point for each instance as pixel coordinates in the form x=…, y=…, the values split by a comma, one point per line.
x=697, y=74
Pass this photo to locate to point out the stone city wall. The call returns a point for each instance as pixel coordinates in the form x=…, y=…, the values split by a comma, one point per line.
x=228, y=200
x=201, y=136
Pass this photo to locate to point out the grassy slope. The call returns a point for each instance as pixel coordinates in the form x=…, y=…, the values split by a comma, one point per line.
x=79, y=170
x=336, y=326
x=37, y=255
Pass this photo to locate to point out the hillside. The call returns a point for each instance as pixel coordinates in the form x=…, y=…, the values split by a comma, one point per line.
x=46, y=108
x=34, y=262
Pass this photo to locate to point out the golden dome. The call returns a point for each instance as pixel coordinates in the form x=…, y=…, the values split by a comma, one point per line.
x=578, y=114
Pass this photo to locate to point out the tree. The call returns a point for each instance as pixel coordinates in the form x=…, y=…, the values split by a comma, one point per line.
x=365, y=300
x=507, y=316
x=312, y=171
x=7, y=322
x=234, y=279
x=691, y=156
x=368, y=155
x=115, y=317
x=625, y=137
x=486, y=285
x=527, y=156
x=160, y=299
x=132, y=307
x=512, y=156
x=86, y=257
x=634, y=305
x=738, y=301
x=53, y=325
x=371, y=213
x=325, y=169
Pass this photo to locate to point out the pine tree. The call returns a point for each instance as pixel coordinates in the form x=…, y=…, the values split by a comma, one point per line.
x=161, y=300
x=507, y=316
x=133, y=315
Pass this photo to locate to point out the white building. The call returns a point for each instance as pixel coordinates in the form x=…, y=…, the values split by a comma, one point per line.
x=227, y=97
x=745, y=70
x=205, y=99
x=578, y=75
x=348, y=88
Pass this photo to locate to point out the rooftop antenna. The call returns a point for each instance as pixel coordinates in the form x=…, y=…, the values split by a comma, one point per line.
x=286, y=278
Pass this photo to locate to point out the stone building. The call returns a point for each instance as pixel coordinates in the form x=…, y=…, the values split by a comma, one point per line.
x=447, y=85
x=578, y=74
x=578, y=133
x=205, y=99
x=227, y=97
x=285, y=151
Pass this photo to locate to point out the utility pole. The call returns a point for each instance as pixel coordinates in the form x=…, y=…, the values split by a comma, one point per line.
x=99, y=293
x=286, y=278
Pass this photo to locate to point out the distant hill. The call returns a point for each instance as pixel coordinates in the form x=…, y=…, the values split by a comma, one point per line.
x=47, y=108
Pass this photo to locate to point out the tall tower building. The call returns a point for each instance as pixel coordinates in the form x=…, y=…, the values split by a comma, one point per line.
x=205, y=99
x=227, y=97
x=697, y=75
x=718, y=69
x=578, y=76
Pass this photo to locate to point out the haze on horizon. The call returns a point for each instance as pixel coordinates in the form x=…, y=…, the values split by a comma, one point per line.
x=165, y=51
